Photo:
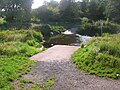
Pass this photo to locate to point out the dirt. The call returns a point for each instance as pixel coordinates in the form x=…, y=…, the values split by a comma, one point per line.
x=56, y=63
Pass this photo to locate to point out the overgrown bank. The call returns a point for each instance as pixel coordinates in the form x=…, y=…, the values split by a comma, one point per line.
x=101, y=56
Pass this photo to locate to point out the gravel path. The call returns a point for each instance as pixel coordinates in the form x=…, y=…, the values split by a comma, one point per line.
x=55, y=63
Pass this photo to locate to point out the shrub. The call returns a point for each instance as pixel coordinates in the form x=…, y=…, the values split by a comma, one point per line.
x=94, y=28
x=3, y=23
x=47, y=29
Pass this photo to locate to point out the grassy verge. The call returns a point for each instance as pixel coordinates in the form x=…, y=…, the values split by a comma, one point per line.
x=14, y=53
x=101, y=56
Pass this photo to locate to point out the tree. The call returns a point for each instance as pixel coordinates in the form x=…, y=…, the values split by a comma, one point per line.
x=96, y=9
x=48, y=11
x=113, y=10
x=69, y=9
x=16, y=10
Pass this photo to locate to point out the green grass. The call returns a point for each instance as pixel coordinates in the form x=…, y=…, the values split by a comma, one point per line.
x=101, y=56
x=30, y=85
x=48, y=84
x=14, y=61
x=17, y=48
x=30, y=37
x=11, y=68
x=14, y=52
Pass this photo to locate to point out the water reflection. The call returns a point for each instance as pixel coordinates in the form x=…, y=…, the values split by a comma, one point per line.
x=73, y=40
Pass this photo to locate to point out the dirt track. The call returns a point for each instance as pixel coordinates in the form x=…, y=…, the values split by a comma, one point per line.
x=55, y=63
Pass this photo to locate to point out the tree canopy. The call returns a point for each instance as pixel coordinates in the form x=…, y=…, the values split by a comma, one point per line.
x=16, y=10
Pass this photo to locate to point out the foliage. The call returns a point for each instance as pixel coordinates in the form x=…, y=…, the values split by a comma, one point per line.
x=112, y=10
x=96, y=9
x=69, y=9
x=31, y=37
x=94, y=28
x=48, y=30
x=17, y=13
x=47, y=12
x=2, y=23
x=101, y=56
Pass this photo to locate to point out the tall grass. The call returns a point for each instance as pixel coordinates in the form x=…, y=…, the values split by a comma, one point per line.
x=30, y=37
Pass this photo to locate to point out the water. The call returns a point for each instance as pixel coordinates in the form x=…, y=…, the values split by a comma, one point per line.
x=84, y=39
x=72, y=40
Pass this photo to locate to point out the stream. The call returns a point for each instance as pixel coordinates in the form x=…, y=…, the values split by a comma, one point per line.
x=66, y=39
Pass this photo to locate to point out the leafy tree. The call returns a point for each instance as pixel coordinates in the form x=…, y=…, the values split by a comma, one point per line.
x=48, y=11
x=16, y=10
x=113, y=10
x=69, y=9
x=96, y=9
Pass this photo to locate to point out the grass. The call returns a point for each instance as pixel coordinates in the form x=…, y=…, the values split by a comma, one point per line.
x=30, y=37
x=17, y=48
x=12, y=68
x=14, y=53
x=49, y=83
x=14, y=62
x=30, y=85
x=101, y=56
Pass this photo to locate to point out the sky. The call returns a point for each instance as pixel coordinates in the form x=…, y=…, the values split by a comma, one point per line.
x=38, y=3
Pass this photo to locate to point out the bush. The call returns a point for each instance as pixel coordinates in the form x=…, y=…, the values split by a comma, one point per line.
x=94, y=28
x=47, y=29
x=2, y=24
x=2, y=21
x=101, y=56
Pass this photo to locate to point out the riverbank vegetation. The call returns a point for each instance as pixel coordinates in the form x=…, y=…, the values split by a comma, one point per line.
x=101, y=56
